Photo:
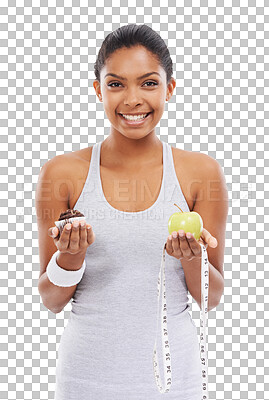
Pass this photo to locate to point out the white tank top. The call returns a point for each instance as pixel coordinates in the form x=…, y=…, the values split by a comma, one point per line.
x=106, y=350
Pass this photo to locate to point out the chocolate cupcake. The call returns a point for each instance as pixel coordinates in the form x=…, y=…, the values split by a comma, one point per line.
x=68, y=216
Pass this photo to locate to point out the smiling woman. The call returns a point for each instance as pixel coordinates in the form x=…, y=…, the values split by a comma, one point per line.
x=134, y=103
x=106, y=350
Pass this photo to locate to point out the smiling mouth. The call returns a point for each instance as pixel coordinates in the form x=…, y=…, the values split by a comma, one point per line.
x=135, y=119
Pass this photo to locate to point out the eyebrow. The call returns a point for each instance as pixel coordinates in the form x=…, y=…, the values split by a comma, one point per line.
x=140, y=77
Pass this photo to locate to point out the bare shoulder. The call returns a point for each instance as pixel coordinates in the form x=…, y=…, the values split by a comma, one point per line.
x=70, y=166
x=192, y=170
x=193, y=160
x=72, y=159
x=67, y=173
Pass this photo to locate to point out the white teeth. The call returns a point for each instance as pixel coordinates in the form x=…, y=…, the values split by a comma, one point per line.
x=134, y=117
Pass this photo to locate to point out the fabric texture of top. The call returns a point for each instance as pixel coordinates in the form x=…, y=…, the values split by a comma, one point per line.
x=106, y=349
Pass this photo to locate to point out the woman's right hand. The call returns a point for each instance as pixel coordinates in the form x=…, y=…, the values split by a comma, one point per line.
x=75, y=240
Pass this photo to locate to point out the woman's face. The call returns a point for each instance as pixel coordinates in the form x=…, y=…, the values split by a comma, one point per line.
x=130, y=93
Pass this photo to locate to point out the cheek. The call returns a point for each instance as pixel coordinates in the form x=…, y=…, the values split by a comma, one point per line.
x=112, y=102
x=158, y=109
x=157, y=100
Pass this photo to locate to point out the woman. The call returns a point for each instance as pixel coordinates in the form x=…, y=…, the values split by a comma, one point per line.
x=126, y=187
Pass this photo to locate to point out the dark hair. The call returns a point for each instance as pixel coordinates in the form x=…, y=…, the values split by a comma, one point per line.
x=134, y=35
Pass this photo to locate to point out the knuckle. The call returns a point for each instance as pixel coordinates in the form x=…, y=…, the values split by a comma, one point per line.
x=84, y=234
x=74, y=243
x=90, y=236
x=91, y=240
x=63, y=239
x=74, y=237
x=60, y=247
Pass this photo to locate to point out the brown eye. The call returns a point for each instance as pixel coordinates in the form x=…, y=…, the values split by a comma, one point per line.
x=154, y=83
x=146, y=83
x=113, y=83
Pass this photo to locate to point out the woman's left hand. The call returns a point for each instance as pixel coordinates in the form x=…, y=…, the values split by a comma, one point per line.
x=183, y=247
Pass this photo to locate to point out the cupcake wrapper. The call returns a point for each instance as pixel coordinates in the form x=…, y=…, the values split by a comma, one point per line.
x=60, y=224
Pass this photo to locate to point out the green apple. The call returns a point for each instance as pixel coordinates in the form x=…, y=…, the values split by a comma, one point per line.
x=187, y=221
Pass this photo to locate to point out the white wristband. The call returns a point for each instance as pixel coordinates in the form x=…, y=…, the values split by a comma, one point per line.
x=61, y=277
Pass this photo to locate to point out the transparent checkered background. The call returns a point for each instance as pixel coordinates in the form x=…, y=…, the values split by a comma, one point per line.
x=219, y=107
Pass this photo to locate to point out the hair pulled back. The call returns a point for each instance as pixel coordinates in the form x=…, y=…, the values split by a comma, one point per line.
x=134, y=35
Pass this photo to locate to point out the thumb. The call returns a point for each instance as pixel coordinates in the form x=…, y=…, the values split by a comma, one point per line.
x=209, y=239
x=53, y=232
x=213, y=242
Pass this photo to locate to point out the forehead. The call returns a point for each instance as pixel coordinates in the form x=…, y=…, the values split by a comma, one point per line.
x=132, y=62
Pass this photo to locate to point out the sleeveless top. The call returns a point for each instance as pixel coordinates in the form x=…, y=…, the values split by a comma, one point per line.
x=106, y=349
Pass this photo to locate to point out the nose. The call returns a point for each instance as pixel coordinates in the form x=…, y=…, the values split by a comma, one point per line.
x=132, y=98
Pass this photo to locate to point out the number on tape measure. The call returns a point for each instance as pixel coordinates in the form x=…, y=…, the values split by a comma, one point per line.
x=165, y=341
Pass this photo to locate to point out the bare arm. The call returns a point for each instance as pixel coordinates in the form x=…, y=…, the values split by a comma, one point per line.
x=192, y=271
x=55, y=297
x=50, y=202
x=212, y=205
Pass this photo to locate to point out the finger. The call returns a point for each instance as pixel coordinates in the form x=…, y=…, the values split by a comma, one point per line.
x=176, y=246
x=193, y=244
x=56, y=233
x=90, y=234
x=201, y=240
x=53, y=231
x=208, y=238
x=184, y=245
x=83, y=235
x=74, y=238
x=169, y=247
x=64, y=238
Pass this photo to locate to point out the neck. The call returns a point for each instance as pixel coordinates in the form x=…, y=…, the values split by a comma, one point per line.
x=127, y=153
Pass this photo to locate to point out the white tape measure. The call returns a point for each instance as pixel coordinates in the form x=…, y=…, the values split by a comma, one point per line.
x=165, y=342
